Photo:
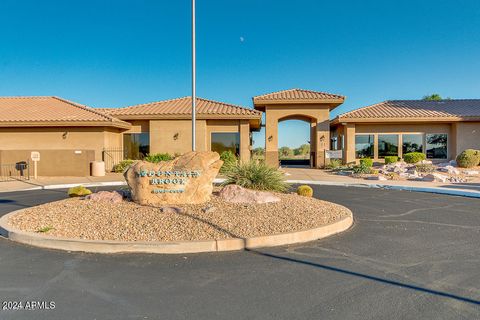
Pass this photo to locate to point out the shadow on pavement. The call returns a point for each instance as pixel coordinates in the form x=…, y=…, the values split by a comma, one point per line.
x=368, y=277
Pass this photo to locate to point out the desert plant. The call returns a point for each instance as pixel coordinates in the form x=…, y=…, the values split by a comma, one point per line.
x=468, y=158
x=366, y=162
x=305, y=191
x=414, y=157
x=256, y=175
x=78, y=191
x=362, y=169
x=393, y=176
x=425, y=167
x=45, y=229
x=391, y=159
x=122, y=165
x=158, y=157
x=229, y=160
x=334, y=164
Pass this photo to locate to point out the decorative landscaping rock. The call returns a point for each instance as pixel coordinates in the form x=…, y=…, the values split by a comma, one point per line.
x=172, y=210
x=187, y=179
x=425, y=162
x=450, y=169
x=435, y=177
x=471, y=172
x=236, y=194
x=114, y=196
x=209, y=209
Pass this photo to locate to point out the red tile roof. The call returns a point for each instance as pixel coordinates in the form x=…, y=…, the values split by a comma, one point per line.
x=403, y=110
x=183, y=107
x=51, y=111
x=297, y=94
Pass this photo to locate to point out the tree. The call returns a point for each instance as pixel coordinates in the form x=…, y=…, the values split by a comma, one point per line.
x=302, y=150
x=259, y=151
x=285, y=152
x=433, y=97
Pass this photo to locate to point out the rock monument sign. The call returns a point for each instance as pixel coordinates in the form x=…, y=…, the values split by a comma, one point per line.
x=186, y=179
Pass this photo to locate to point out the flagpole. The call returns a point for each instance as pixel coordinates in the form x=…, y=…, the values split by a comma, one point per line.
x=194, y=89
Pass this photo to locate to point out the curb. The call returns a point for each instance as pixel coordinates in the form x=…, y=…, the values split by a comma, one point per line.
x=177, y=247
x=70, y=185
x=438, y=190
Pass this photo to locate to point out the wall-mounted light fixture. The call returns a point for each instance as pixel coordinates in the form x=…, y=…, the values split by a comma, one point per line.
x=322, y=138
x=270, y=138
x=64, y=135
x=175, y=136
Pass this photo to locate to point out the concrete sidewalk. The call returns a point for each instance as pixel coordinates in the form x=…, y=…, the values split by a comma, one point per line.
x=53, y=182
x=292, y=175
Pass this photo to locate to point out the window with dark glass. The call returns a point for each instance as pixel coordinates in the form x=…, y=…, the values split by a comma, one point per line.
x=364, y=146
x=136, y=145
x=226, y=141
x=437, y=146
x=387, y=145
x=412, y=143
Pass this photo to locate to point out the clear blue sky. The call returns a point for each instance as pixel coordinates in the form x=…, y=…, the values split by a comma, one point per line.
x=118, y=53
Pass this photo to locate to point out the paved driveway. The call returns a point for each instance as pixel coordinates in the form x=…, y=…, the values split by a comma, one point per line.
x=409, y=256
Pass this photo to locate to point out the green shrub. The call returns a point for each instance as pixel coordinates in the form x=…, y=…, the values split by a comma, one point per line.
x=425, y=167
x=391, y=159
x=334, y=164
x=256, y=175
x=468, y=158
x=229, y=160
x=158, y=157
x=366, y=162
x=305, y=191
x=414, y=157
x=362, y=169
x=78, y=191
x=122, y=165
x=45, y=229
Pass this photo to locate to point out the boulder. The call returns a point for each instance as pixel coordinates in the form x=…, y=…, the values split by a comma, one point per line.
x=187, y=179
x=450, y=169
x=453, y=163
x=435, y=177
x=237, y=194
x=471, y=172
x=107, y=196
x=412, y=171
x=425, y=162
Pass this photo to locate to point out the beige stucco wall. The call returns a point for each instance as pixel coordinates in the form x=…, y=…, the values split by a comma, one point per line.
x=162, y=134
x=66, y=138
x=52, y=162
x=464, y=135
x=467, y=136
x=317, y=114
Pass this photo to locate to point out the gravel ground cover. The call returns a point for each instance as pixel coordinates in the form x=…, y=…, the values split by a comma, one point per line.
x=127, y=221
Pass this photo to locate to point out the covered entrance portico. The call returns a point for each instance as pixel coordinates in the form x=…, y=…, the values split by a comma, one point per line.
x=310, y=106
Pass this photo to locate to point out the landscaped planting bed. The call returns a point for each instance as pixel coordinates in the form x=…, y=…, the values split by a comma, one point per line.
x=127, y=221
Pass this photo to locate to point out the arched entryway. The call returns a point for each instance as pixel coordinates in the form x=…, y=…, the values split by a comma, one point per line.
x=295, y=138
x=311, y=106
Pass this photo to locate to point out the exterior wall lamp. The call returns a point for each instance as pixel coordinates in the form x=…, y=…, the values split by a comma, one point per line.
x=64, y=135
x=175, y=136
x=270, y=138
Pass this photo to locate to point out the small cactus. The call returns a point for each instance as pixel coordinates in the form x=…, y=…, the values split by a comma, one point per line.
x=78, y=191
x=305, y=191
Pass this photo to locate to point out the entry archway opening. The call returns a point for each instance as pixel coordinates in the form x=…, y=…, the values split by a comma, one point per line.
x=295, y=141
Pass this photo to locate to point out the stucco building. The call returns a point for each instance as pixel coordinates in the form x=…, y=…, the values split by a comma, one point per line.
x=69, y=135
x=440, y=129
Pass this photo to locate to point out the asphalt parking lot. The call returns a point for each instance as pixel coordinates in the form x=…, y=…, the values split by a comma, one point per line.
x=408, y=256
